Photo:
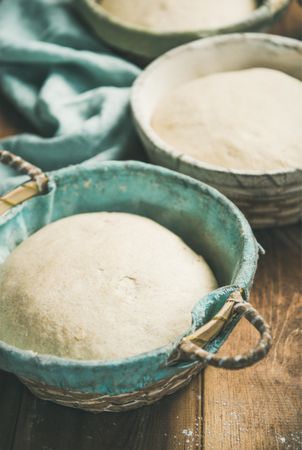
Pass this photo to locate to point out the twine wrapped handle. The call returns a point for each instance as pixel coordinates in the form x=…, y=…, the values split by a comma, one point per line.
x=37, y=185
x=36, y=174
x=190, y=346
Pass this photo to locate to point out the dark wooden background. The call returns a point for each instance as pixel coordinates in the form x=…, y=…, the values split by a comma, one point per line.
x=254, y=409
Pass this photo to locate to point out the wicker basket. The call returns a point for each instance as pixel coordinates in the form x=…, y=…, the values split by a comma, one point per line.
x=143, y=45
x=267, y=198
x=151, y=191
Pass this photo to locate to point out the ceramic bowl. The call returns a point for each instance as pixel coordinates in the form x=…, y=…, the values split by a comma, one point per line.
x=146, y=44
x=267, y=198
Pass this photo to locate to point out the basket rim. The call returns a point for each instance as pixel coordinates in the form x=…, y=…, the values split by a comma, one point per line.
x=267, y=10
x=244, y=276
x=162, y=148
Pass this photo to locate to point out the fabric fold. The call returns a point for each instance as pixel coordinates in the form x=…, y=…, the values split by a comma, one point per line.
x=71, y=88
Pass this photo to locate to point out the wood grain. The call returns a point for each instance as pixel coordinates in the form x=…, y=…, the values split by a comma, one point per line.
x=291, y=23
x=11, y=121
x=260, y=407
x=32, y=424
x=10, y=401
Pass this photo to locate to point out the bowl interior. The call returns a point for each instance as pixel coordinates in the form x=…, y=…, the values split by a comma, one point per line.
x=206, y=220
x=207, y=56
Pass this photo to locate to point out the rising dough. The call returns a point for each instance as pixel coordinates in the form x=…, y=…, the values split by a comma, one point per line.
x=246, y=120
x=100, y=286
x=179, y=15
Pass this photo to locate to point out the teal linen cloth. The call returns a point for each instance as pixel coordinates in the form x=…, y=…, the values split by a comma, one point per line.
x=72, y=89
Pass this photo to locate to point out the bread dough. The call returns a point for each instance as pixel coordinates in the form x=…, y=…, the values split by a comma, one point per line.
x=245, y=120
x=179, y=15
x=100, y=286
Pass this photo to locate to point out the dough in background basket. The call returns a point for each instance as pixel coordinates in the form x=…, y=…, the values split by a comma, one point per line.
x=100, y=286
x=179, y=15
x=246, y=120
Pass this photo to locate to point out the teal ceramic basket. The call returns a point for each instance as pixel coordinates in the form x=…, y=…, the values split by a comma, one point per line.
x=204, y=218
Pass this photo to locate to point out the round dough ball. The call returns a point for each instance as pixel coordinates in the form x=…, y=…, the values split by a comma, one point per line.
x=245, y=120
x=100, y=286
x=179, y=15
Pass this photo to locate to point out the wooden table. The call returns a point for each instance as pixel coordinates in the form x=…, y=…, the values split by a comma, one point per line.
x=255, y=409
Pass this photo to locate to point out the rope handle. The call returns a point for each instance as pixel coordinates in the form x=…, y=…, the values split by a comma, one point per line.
x=190, y=346
x=37, y=185
x=22, y=166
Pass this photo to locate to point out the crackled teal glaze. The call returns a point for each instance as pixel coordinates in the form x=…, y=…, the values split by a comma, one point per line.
x=204, y=218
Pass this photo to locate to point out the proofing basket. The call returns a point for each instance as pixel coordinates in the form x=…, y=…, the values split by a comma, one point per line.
x=143, y=45
x=206, y=220
x=270, y=198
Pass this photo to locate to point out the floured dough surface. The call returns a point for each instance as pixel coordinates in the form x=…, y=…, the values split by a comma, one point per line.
x=100, y=286
x=179, y=15
x=245, y=120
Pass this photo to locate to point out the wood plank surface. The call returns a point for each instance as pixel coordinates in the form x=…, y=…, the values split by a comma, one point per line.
x=290, y=24
x=175, y=422
x=260, y=407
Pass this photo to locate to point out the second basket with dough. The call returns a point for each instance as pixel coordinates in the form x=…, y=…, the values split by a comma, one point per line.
x=268, y=198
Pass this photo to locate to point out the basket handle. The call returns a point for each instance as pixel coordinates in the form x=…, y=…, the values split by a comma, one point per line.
x=190, y=346
x=37, y=185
